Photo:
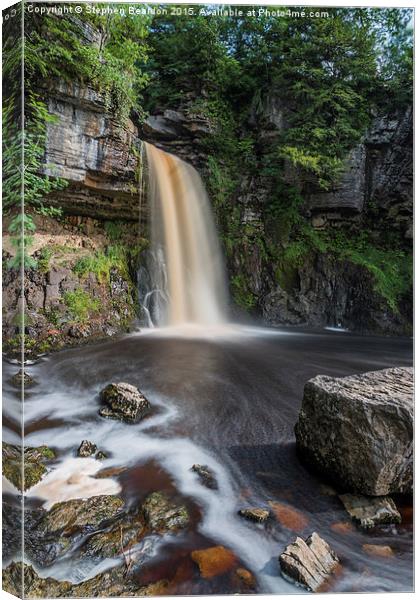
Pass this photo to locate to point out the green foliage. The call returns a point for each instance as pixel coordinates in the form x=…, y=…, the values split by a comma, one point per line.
x=391, y=268
x=57, y=47
x=220, y=182
x=23, y=153
x=242, y=296
x=21, y=229
x=54, y=212
x=101, y=263
x=80, y=304
x=114, y=230
x=45, y=255
x=187, y=55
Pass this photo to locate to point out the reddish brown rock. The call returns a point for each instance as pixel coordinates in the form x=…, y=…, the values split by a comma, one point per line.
x=378, y=550
x=214, y=561
x=289, y=517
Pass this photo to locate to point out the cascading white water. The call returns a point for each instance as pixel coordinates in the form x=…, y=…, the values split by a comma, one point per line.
x=184, y=236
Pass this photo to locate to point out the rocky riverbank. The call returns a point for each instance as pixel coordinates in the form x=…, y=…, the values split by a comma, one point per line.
x=110, y=526
x=82, y=289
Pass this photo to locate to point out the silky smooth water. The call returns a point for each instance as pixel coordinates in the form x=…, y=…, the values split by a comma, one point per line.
x=188, y=282
x=229, y=400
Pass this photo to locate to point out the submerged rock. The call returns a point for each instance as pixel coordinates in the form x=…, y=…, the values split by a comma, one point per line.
x=22, y=377
x=110, y=472
x=117, y=539
x=378, y=550
x=358, y=430
x=206, y=476
x=289, y=517
x=53, y=533
x=255, y=514
x=115, y=582
x=214, y=561
x=101, y=455
x=370, y=512
x=162, y=515
x=86, y=448
x=309, y=563
x=35, y=464
x=246, y=578
x=124, y=402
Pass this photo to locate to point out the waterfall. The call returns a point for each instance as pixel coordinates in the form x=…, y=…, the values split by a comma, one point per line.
x=188, y=284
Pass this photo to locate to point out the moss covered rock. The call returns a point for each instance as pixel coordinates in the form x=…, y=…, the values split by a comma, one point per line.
x=80, y=514
x=124, y=402
x=162, y=515
x=118, y=539
x=35, y=467
x=115, y=582
x=22, y=377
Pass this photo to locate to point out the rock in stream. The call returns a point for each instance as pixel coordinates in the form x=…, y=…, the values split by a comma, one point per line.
x=35, y=459
x=161, y=514
x=260, y=515
x=86, y=448
x=206, y=476
x=358, y=430
x=118, y=581
x=309, y=563
x=124, y=402
x=370, y=512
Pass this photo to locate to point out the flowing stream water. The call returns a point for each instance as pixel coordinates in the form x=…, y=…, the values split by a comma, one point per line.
x=223, y=395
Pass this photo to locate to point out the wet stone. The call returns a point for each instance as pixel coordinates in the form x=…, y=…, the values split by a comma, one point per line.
x=259, y=515
x=81, y=514
x=246, y=578
x=358, y=430
x=309, y=562
x=118, y=581
x=124, y=402
x=206, y=476
x=35, y=464
x=22, y=376
x=289, y=517
x=161, y=514
x=117, y=539
x=378, y=550
x=53, y=533
x=369, y=512
x=214, y=561
x=86, y=448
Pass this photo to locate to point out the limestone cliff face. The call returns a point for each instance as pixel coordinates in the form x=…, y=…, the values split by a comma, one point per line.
x=378, y=174
x=374, y=193
x=88, y=148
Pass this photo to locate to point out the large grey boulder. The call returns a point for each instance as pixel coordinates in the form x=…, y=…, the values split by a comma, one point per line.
x=358, y=430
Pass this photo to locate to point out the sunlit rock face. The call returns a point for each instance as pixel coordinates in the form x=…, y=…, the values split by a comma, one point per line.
x=93, y=152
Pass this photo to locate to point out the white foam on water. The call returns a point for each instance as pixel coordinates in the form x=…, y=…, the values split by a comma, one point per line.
x=228, y=331
x=8, y=487
x=129, y=445
x=73, y=478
